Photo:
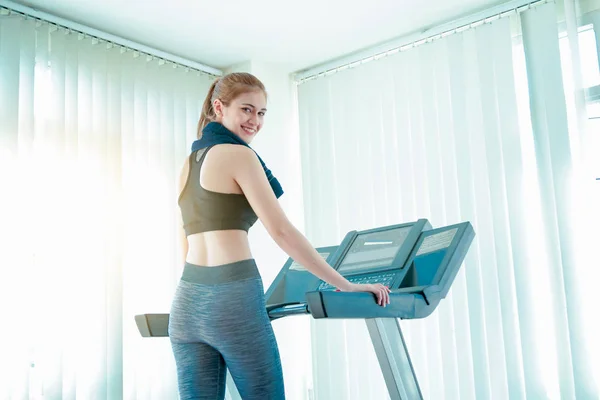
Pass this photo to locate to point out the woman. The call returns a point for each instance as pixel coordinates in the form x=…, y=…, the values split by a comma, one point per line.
x=218, y=317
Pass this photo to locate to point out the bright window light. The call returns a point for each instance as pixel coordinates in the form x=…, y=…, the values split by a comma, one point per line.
x=593, y=112
x=589, y=57
x=544, y=320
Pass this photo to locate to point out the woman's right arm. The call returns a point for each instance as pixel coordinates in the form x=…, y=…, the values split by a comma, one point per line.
x=250, y=176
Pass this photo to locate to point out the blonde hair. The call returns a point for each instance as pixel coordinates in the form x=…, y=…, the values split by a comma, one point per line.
x=226, y=89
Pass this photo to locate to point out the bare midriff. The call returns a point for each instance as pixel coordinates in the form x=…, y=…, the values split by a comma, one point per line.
x=214, y=248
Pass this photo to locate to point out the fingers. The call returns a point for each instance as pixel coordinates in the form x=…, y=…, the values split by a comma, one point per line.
x=383, y=295
x=386, y=294
x=381, y=292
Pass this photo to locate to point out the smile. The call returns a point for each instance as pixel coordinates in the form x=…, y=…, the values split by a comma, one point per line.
x=249, y=131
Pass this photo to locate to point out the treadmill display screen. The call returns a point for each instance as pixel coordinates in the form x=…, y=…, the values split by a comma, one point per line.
x=436, y=242
x=373, y=250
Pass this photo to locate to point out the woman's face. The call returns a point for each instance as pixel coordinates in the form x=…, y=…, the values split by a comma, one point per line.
x=244, y=116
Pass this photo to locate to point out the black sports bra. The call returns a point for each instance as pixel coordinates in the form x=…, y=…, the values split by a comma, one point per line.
x=204, y=210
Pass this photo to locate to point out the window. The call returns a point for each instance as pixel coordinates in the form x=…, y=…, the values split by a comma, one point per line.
x=590, y=77
x=590, y=70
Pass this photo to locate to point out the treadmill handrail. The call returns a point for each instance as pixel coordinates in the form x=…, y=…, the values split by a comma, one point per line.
x=282, y=305
x=411, y=305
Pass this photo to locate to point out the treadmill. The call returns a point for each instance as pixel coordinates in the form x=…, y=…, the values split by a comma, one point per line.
x=417, y=262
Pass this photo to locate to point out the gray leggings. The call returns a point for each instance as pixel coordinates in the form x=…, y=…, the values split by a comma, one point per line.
x=219, y=321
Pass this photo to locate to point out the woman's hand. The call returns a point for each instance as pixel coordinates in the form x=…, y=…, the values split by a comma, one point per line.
x=381, y=292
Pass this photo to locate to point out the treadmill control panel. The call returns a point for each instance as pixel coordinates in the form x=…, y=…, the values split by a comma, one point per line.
x=418, y=278
x=376, y=255
x=385, y=279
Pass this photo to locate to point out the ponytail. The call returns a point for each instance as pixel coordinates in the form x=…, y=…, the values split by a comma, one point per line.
x=208, y=113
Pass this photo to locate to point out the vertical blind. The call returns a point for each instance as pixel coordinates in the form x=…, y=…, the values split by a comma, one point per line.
x=93, y=137
x=470, y=127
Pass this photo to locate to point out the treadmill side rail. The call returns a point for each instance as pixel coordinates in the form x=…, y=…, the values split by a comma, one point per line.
x=153, y=325
x=287, y=310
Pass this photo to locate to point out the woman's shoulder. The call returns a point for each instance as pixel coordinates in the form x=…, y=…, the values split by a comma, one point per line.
x=227, y=155
x=231, y=151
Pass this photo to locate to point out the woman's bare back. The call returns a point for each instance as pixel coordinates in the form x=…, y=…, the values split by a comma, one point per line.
x=216, y=248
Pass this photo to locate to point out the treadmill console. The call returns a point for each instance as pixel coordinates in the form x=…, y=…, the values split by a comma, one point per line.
x=376, y=255
x=416, y=262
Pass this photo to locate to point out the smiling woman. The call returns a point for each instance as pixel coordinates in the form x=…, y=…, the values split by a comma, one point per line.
x=238, y=102
x=218, y=311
